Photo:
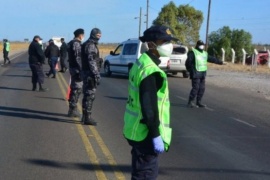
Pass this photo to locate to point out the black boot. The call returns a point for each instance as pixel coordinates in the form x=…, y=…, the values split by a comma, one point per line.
x=34, y=87
x=191, y=103
x=47, y=74
x=42, y=89
x=73, y=112
x=87, y=119
x=199, y=104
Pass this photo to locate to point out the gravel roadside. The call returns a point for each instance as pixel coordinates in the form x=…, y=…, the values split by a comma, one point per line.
x=245, y=81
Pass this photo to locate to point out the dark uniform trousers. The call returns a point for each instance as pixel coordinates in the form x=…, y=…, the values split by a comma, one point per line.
x=198, y=88
x=144, y=160
x=89, y=91
x=37, y=73
x=75, y=87
x=6, y=56
x=63, y=60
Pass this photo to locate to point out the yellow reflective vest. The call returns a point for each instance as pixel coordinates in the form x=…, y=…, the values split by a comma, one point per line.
x=200, y=60
x=134, y=129
x=7, y=48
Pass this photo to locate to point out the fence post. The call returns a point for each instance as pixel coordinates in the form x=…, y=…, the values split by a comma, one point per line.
x=268, y=58
x=223, y=54
x=233, y=56
x=254, y=59
x=244, y=56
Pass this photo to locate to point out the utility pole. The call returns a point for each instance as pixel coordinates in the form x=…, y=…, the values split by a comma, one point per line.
x=140, y=21
x=207, y=26
x=147, y=14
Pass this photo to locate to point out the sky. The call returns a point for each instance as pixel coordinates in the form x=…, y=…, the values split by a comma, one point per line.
x=22, y=19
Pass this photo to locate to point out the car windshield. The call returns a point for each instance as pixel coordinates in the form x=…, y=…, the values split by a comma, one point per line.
x=179, y=50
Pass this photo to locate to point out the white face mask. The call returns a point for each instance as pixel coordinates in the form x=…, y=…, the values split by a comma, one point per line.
x=40, y=42
x=165, y=50
x=201, y=47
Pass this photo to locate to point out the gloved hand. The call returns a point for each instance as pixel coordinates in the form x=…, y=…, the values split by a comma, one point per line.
x=158, y=145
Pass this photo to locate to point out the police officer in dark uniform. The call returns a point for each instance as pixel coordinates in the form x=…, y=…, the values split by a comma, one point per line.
x=91, y=75
x=75, y=68
x=52, y=53
x=196, y=64
x=36, y=59
x=63, y=56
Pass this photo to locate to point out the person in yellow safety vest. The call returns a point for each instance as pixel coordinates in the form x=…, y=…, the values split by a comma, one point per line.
x=6, y=50
x=147, y=116
x=196, y=64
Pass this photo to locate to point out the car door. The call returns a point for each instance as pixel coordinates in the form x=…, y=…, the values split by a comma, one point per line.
x=115, y=64
x=129, y=56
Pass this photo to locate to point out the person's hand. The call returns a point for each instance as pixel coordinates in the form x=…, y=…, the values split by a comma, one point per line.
x=158, y=145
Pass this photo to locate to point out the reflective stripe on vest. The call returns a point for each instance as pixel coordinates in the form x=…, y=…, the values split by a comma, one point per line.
x=7, y=46
x=200, y=60
x=134, y=129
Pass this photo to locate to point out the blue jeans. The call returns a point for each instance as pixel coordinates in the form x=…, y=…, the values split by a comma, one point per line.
x=52, y=65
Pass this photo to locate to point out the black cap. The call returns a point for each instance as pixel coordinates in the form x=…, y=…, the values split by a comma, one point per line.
x=37, y=36
x=157, y=33
x=62, y=39
x=77, y=32
x=200, y=42
x=50, y=41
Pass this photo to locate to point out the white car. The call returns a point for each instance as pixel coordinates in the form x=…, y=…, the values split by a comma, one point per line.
x=124, y=56
x=178, y=60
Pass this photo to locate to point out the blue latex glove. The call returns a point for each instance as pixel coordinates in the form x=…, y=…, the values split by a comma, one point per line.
x=158, y=145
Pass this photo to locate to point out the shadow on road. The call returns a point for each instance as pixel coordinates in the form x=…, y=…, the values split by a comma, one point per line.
x=39, y=115
x=16, y=89
x=55, y=98
x=127, y=168
x=117, y=98
x=13, y=75
x=78, y=166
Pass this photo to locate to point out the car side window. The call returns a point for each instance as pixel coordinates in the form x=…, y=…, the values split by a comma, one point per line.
x=118, y=50
x=130, y=49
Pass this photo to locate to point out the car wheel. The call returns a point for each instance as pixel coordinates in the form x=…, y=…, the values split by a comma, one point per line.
x=185, y=74
x=107, y=69
x=174, y=73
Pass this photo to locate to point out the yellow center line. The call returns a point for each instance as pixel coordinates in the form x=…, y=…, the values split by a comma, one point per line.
x=89, y=148
x=118, y=174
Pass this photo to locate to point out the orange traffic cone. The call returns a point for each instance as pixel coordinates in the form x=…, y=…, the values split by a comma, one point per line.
x=68, y=91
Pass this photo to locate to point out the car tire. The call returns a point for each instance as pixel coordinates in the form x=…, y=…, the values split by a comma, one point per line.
x=107, y=70
x=174, y=73
x=185, y=74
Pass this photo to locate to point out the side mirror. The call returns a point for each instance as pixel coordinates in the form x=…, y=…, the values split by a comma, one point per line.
x=111, y=53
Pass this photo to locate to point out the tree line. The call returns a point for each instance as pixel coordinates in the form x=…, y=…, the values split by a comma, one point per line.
x=185, y=22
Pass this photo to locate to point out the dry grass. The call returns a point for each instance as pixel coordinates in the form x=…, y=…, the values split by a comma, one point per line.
x=16, y=46
x=105, y=49
x=261, y=69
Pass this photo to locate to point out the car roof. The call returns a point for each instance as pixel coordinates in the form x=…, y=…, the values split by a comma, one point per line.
x=131, y=40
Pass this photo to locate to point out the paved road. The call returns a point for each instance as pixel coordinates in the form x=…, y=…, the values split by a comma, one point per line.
x=228, y=140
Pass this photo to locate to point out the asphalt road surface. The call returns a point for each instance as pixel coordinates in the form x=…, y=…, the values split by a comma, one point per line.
x=229, y=140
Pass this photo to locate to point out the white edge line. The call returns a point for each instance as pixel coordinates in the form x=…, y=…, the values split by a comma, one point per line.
x=243, y=122
x=209, y=109
x=181, y=98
